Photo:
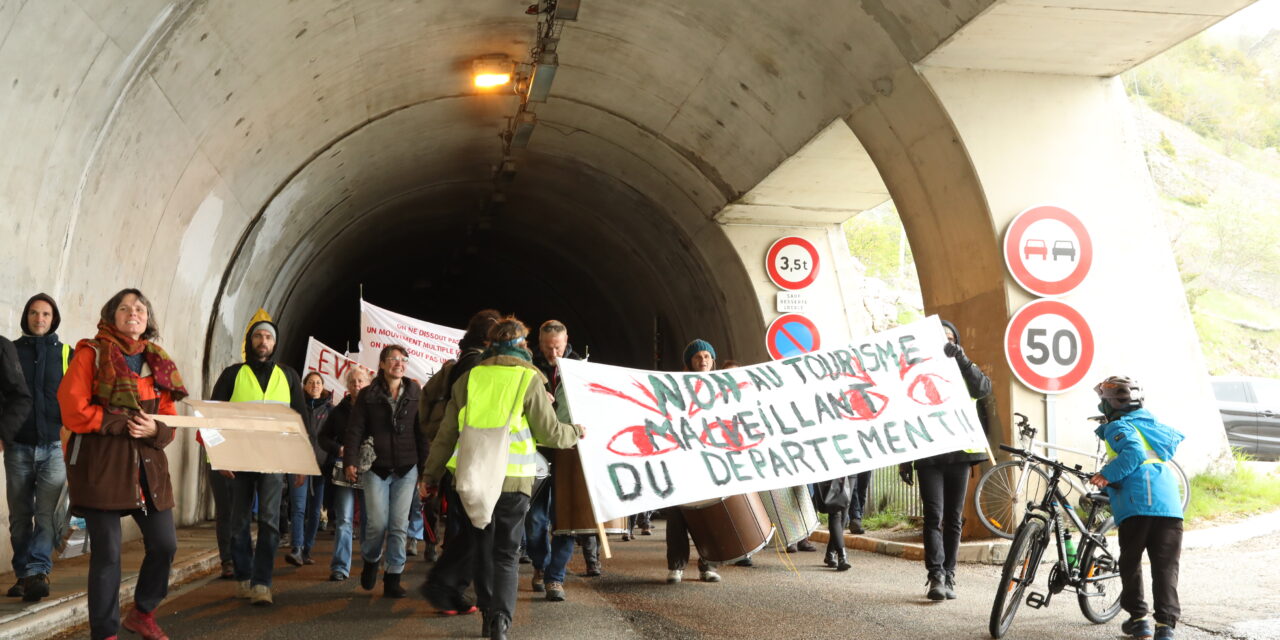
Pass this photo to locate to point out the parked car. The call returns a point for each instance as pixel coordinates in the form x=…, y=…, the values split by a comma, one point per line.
x=1250, y=409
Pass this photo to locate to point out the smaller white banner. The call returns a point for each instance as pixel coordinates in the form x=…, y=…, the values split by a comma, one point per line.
x=429, y=345
x=331, y=365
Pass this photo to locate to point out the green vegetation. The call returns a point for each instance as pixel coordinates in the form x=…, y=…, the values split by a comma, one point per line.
x=887, y=519
x=877, y=239
x=1242, y=491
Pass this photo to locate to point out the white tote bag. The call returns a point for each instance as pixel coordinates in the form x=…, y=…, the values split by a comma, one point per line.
x=482, y=462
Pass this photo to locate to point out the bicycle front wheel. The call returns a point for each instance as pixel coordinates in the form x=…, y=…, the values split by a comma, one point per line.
x=1019, y=571
x=1099, y=591
x=997, y=500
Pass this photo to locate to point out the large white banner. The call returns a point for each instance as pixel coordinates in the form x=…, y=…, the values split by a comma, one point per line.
x=331, y=365
x=656, y=439
x=430, y=345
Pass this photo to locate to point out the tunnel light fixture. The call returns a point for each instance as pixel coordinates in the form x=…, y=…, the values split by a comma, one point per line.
x=522, y=129
x=491, y=72
x=544, y=73
x=567, y=9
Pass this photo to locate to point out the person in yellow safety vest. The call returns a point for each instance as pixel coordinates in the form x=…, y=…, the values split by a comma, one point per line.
x=258, y=379
x=504, y=390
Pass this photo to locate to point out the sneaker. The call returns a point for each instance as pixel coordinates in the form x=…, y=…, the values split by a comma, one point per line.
x=306, y=558
x=337, y=576
x=791, y=548
x=538, y=585
x=709, y=576
x=805, y=545
x=1163, y=631
x=244, y=590
x=261, y=595
x=626, y=537
x=411, y=549
x=143, y=624
x=745, y=562
x=855, y=526
x=593, y=571
x=647, y=531
x=35, y=587
x=674, y=576
x=937, y=591
x=1137, y=628
x=294, y=557
x=949, y=586
x=16, y=590
x=555, y=591
x=431, y=554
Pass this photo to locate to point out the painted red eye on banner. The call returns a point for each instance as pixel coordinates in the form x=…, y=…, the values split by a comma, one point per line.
x=724, y=435
x=634, y=442
x=923, y=390
x=866, y=405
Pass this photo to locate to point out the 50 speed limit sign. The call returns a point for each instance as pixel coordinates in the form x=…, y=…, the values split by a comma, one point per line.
x=1049, y=346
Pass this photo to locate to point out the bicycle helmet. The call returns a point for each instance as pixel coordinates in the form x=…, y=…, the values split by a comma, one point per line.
x=1121, y=393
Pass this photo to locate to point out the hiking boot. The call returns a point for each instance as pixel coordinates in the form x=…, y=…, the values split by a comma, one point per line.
x=261, y=595
x=937, y=589
x=228, y=571
x=855, y=526
x=16, y=590
x=949, y=585
x=143, y=624
x=337, y=576
x=369, y=576
x=709, y=575
x=1163, y=631
x=805, y=545
x=745, y=562
x=294, y=557
x=830, y=559
x=538, y=585
x=391, y=587
x=35, y=587
x=674, y=576
x=244, y=590
x=498, y=628
x=842, y=562
x=593, y=571
x=411, y=549
x=1138, y=628
x=555, y=591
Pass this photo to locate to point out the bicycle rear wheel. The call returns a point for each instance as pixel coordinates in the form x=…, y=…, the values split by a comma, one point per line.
x=1184, y=487
x=1019, y=571
x=998, y=508
x=1099, y=595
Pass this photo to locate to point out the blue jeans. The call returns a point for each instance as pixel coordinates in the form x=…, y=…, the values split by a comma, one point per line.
x=35, y=475
x=344, y=501
x=386, y=502
x=417, y=528
x=304, y=512
x=550, y=554
x=255, y=563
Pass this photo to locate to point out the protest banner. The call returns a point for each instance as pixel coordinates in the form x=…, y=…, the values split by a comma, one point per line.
x=656, y=439
x=331, y=365
x=429, y=345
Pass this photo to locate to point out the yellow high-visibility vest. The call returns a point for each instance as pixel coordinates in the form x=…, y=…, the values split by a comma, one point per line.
x=495, y=399
x=247, y=388
x=1152, y=456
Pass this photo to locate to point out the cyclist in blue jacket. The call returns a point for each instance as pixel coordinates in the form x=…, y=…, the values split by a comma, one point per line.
x=1145, y=502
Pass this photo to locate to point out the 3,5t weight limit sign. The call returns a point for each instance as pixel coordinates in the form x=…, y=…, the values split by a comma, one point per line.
x=1049, y=346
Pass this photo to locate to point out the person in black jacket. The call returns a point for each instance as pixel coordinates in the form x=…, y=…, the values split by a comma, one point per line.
x=331, y=438
x=944, y=482
x=305, y=499
x=387, y=412
x=34, y=469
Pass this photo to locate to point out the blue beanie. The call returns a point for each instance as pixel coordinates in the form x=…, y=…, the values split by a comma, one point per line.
x=696, y=346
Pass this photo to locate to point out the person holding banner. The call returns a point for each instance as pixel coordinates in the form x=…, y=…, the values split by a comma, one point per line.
x=699, y=355
x=305, y=499
x=497, y=413
x=944, y=482
x=386, y=412
x=332, y=436
x=116, y=465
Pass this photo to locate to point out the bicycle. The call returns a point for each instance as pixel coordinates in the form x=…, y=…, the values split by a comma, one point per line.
x=1093, y=574
x=1001, y=489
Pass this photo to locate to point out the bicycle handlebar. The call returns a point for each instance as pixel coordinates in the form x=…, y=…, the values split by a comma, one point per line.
x=1043, y=460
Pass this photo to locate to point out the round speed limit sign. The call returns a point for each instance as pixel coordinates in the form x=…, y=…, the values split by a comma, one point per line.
x=1049, y=346
x=792, y=263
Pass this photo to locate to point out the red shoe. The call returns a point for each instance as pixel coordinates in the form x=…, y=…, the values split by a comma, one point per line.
x=143, y=624
x=451, y=612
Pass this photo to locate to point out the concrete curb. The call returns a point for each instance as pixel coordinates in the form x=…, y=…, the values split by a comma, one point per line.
x=58, y=616
x=979, y=552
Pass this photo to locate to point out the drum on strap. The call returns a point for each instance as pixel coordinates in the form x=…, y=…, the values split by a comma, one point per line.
x=726, y=529
x=571, y=500
x=791, y=511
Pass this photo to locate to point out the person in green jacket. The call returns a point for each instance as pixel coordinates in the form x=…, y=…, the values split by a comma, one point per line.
x=505, y=390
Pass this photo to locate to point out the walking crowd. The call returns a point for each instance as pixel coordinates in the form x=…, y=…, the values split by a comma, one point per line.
x=454, y=468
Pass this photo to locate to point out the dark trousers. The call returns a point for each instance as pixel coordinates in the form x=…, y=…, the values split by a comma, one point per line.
x=1161, y=538
x=160, y=542
x=942, y=490
x=835, y=528
x=221, y=489
x=498, y=556
x=678, y=542
x=639, y=521
x=255, y=563
x=455, y=568
x=860, y=483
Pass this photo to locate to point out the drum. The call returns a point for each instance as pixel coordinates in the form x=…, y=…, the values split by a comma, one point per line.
x=791, y=511
x=727, y=529
x=571, y=501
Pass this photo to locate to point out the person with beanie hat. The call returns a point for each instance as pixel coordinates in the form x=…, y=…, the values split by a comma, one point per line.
x=699, y=355
x=35, y=471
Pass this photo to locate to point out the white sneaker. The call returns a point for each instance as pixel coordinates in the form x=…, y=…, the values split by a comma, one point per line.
x=243, y=591
x=674, y=576
x=710, y=576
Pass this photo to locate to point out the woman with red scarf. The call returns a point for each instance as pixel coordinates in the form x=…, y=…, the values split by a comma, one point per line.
x=116, y=464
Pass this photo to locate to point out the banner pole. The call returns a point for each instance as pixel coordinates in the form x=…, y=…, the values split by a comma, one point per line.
x=604, y=541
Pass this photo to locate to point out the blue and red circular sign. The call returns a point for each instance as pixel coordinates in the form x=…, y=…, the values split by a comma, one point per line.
x=1048, y=250
x=792, y=335
x=1049, y=346
x=792, y=263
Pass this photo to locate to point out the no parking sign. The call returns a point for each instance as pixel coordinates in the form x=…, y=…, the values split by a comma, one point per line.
x=1049, y=346
x=792, y=335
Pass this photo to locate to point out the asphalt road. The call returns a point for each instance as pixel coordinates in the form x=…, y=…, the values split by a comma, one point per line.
x=1227, y=592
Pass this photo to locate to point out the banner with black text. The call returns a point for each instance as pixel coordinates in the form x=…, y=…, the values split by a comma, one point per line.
x=429, y=345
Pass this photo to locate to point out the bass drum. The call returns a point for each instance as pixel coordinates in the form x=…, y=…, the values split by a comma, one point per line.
x=791, y=511
x=572, y=503
x=727, y=529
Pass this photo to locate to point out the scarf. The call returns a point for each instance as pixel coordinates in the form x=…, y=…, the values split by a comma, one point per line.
x=114, y=384
x=501, y=349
